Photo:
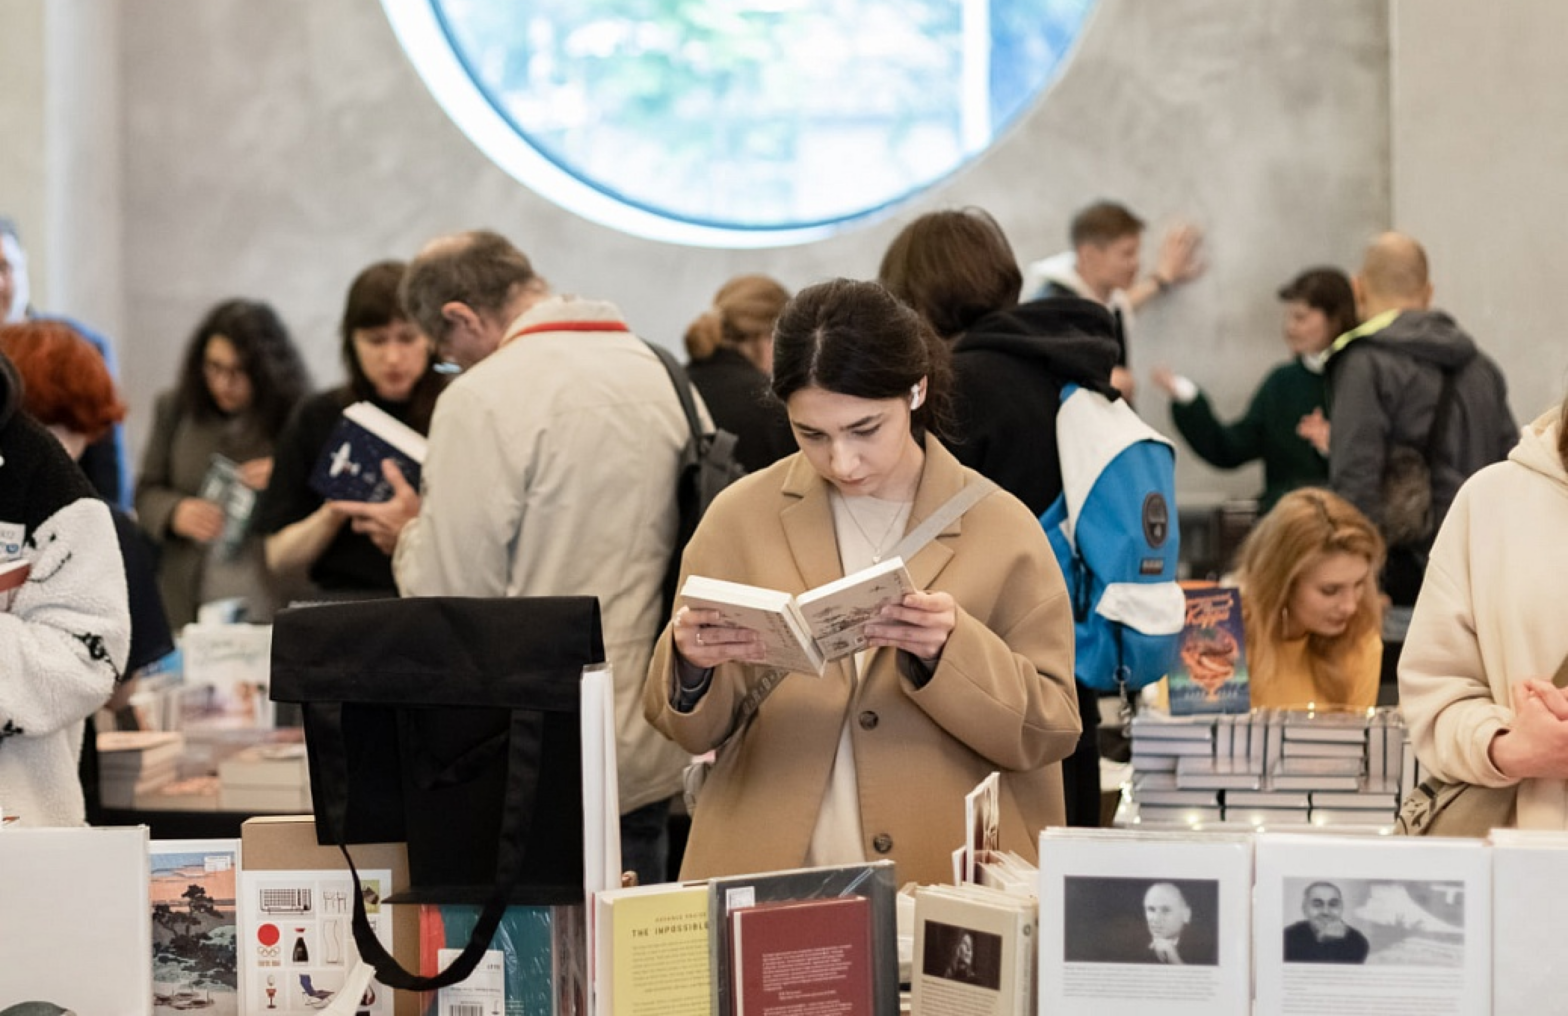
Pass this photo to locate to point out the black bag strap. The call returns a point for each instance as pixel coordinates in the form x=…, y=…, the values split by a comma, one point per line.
x=1445, y=404
x=523, y=759
x=682, y=383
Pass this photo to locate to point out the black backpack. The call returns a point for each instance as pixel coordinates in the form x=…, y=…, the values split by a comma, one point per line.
x=707, y=466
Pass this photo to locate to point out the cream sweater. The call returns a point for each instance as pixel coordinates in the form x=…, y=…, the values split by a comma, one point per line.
x=1490, y=615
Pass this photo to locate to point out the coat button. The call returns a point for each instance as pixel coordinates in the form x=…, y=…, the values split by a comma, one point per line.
x=883, y=843
x=869, y=720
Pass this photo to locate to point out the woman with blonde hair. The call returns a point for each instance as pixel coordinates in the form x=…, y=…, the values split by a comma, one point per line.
x=1310, y=604
x=731, y=350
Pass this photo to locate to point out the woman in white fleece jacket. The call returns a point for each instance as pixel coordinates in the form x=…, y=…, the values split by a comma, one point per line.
x=1475, y=678
x=65, y=631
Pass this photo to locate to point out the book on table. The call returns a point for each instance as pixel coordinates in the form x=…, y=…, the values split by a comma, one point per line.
x=651, y=950
x=816, y=949
x=873, y=880
x=350, y=467
x=975, y=951
x=804, y=633
x=1210, y=675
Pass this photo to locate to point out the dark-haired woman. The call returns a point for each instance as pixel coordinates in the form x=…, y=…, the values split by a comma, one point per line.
x=390, y=364
x=1288, y=406
x=240, y=379
x=972, y=674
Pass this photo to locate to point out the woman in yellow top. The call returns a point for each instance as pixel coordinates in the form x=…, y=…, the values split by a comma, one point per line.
x=1310, y=604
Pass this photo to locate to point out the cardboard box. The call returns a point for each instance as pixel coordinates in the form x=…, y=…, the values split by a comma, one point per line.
x=288, y=843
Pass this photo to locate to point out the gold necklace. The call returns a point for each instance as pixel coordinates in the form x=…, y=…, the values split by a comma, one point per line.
x=876, y=546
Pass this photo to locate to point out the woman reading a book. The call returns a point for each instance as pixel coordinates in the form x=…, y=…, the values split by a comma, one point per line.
x=970, y=674
x=1482, y=674
x=390, y=364
x=239, y=380
x=1310, y=604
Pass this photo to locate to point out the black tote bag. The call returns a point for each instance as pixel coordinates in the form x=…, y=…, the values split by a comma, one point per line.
x=453, y=724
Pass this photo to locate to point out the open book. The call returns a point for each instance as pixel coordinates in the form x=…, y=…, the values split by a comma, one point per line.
x=350, y=465
x=805, y=633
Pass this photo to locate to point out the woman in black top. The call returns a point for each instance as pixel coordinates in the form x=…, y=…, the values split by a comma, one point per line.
x=731, y=350
x=390, y=364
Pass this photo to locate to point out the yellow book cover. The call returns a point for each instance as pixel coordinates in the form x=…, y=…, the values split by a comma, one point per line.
x=657, y=955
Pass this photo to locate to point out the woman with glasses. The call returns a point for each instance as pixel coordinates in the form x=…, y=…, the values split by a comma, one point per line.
x=210, y=454
x=390, y=365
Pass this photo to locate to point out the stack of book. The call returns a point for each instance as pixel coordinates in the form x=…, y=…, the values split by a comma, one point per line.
x=1270, y=767
x=265, y=777
x=132, y=762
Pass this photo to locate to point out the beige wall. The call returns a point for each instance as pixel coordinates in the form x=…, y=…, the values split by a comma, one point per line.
x=273, y=149
x=1479, y=157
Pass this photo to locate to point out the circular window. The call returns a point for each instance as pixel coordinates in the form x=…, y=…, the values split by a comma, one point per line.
x=734, y=123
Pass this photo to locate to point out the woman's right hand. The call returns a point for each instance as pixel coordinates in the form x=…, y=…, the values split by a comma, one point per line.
x=197, y=519
x=1536, y=745
x=704, y=641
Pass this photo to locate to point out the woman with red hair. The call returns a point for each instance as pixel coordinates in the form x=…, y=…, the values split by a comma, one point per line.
x=66, y=387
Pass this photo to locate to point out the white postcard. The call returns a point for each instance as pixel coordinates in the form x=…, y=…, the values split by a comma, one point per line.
x=1141, y=920
x=1372, y=924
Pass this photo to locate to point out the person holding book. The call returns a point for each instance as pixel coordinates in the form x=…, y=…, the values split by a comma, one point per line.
x=1310, y=605
x=968, y=675
x=1287, y=409
x=1481, y=676
x=731, y=350
x=390, y=364
x=240, y=378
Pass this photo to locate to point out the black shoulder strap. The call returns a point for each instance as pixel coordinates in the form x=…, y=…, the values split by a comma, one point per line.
x=682, y=385
x=1445, y=403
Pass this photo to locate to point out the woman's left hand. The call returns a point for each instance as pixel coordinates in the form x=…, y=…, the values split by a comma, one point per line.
x=919, y=626
x=256, y=473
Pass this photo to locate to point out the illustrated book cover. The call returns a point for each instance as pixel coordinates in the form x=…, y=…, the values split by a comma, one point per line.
x=350, y=469
x=804, y=633
x=193, y=893
x=1211, y=672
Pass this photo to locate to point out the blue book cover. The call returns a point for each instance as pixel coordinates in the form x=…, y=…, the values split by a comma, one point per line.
x=349, y=468
x=1211, y=673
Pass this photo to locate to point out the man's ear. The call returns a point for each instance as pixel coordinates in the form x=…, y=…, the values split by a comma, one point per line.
x=460, y=316
x=1426, y=296
x=1358, y=289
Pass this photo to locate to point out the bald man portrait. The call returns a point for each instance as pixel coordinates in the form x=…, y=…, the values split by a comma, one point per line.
x=1409, y=382
x=1323, y=936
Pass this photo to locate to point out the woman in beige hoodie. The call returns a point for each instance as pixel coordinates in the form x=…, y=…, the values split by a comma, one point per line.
x=1475, y=678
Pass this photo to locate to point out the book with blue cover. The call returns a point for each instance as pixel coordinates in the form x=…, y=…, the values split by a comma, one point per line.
x=350, y=469
x=1211, y=674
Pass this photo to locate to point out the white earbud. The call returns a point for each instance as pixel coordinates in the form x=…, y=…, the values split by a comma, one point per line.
x=915, y=398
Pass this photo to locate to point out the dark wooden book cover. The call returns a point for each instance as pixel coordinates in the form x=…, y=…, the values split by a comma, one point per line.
x=810, y=955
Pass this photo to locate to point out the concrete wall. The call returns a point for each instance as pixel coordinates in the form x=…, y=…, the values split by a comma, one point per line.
x=1477, y=168
x=273, y=149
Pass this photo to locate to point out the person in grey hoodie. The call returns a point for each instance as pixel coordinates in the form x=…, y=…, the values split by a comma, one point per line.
x=1384, y=383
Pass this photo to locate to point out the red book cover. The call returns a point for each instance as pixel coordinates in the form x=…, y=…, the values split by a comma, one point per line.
x=12, y=575
x=803, y=956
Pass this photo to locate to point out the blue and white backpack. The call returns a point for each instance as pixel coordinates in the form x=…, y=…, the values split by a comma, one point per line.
x=1115, y=535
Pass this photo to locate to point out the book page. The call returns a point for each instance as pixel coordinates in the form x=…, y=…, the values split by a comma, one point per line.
x=768, y=612
x=1389, y=925
x=836, y=613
